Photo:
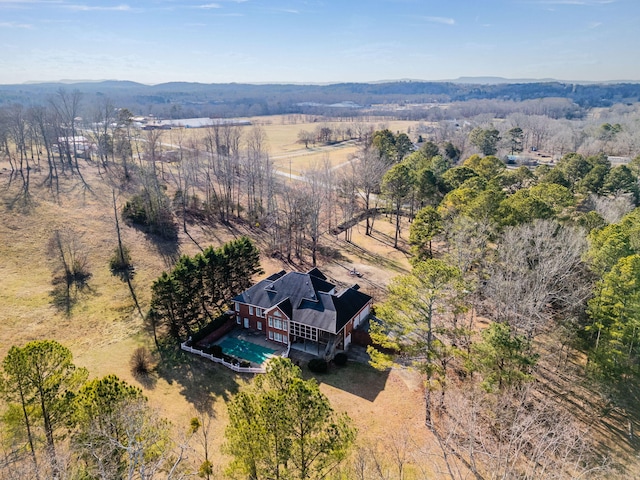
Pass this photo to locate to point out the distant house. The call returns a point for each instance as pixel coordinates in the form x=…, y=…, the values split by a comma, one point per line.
x=79, y=144
x=615, y=160
x=298, y=307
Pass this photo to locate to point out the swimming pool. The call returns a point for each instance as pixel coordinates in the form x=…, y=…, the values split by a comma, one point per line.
x=245, y=350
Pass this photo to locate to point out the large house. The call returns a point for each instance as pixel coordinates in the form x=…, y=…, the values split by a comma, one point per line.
x=298, y=307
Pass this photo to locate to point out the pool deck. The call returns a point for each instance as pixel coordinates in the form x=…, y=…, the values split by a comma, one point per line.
x=300, y=353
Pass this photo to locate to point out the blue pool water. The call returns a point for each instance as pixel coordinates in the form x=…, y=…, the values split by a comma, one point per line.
x=245, y=350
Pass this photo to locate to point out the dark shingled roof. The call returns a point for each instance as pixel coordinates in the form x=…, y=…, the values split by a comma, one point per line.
x=276, y=276
x=314, y=272
x=348, y=303
x=306, y=298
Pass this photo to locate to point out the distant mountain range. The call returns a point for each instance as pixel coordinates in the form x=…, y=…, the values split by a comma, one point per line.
x=502, y=80
x=182, y=99
x=488, y=80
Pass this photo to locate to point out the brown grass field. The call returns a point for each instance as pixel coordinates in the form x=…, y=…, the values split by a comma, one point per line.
x=287, y=154
x=104, y=327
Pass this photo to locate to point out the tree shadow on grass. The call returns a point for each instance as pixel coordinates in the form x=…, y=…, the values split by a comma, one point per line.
x=620, y=415
x=147, y=380
x=64, y=296
x=22, y=203
x=164, y=239
x=365, y=255
x=610, y=412
x=331, y=252
x=389, y=241
x=18, y=198
x=169, y=250
x=356, y=378
x=199, y=379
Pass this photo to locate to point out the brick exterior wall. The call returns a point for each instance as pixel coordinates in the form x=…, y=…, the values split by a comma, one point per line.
x=272, y=331
x=253, y=318
x=250, y=313
x=255, y=321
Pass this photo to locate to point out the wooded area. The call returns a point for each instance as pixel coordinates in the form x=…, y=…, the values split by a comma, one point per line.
x=518, y=305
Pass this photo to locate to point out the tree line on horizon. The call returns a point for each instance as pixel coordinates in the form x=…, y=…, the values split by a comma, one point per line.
x=183, y=100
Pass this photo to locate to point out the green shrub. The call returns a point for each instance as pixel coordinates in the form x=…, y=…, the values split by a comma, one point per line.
x=318, y=365
x=230, y=359
x=120, y=262
x=245, y=364
x=156, y=216
x=340, y=359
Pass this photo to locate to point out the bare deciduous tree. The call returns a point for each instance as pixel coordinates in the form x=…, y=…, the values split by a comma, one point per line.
x=294, y=212
x=104, y=117
x=367, y=171
x=258, y=173
x=67, y=106
x=70, y=266
x=518, y=434
x=538, y=272
x=318, y=187
x=222, y=192
x=347, y=199
x=611, y=209
x=42, y=121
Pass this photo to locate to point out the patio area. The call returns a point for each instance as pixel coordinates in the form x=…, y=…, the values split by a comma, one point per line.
x=309, y=347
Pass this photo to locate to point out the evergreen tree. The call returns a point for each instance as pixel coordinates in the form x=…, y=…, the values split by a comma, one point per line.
x=424, y=228
x=199, y=287
x=40, y=379
x=100, y=436
x=503, y=358
x=410, y=316
x=282, y=427
x=615, y=327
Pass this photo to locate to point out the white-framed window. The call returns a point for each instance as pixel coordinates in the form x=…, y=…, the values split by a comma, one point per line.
x=304, y=331
x=284, y=339
x=276, y=313
x=270, y=335
x=260, y=312
x=238, y=318
x=259, y=325
x=277, y=337
x=237, y=307
x=277, y=323
x=250, y=310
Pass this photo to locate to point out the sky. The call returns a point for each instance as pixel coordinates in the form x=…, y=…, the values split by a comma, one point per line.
x=317, y=41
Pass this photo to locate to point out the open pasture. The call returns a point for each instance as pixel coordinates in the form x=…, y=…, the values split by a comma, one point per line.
x=282, y=141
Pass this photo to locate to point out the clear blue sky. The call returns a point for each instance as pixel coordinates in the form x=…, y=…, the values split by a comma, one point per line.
x=313, y=41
